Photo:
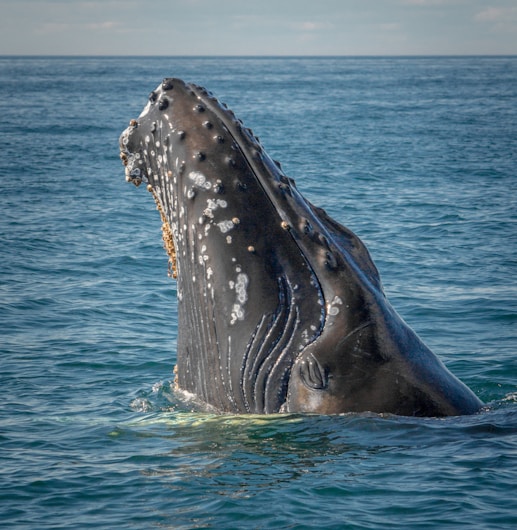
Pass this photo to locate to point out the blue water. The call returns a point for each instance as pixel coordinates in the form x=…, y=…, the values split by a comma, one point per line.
x=417, y=155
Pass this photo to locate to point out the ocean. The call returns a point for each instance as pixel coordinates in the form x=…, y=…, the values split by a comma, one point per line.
x=417, y=155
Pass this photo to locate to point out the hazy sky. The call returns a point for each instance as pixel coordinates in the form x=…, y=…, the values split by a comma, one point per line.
x=258, y=27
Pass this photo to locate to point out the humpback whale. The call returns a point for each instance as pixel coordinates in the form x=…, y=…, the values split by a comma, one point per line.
x=280, y=307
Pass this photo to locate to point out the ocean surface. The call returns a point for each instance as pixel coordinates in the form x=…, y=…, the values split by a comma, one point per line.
x=417, y=155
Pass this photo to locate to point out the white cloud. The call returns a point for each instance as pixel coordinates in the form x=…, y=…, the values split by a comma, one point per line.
x=313, y=26
x=425, y=3
x=60, y=27
x=497, y=14
x=101, y=26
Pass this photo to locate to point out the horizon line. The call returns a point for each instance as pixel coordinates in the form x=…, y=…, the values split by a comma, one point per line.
x=251, y=56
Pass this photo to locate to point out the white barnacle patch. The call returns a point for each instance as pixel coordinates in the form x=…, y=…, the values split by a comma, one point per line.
x=333, y=308
x=199, y=180
x=209, y=213
x=229, y=240
x=241, y=290
x=237, y=314
x=225, y=226
x=213, y=205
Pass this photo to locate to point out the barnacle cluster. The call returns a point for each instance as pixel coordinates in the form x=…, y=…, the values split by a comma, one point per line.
x=168, y=239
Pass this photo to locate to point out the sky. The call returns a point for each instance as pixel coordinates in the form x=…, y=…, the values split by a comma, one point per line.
x=258, y=27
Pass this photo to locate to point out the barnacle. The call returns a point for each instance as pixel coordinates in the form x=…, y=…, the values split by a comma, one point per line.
x=168, y=239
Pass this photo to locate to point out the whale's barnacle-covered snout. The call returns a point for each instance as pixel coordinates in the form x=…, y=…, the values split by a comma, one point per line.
x=280, y=307
x=133, y=172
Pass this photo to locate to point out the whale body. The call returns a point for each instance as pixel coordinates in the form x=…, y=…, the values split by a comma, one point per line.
x=280, y=307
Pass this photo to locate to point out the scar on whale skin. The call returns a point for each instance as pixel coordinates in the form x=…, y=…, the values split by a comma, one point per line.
x=280, y=307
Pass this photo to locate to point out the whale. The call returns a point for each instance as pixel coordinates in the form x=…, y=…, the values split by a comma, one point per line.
x=280, y=307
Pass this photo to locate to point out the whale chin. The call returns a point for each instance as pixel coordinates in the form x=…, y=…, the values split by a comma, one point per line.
x=280, y=307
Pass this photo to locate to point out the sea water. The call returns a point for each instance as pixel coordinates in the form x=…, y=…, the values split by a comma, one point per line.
x=417, y=155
